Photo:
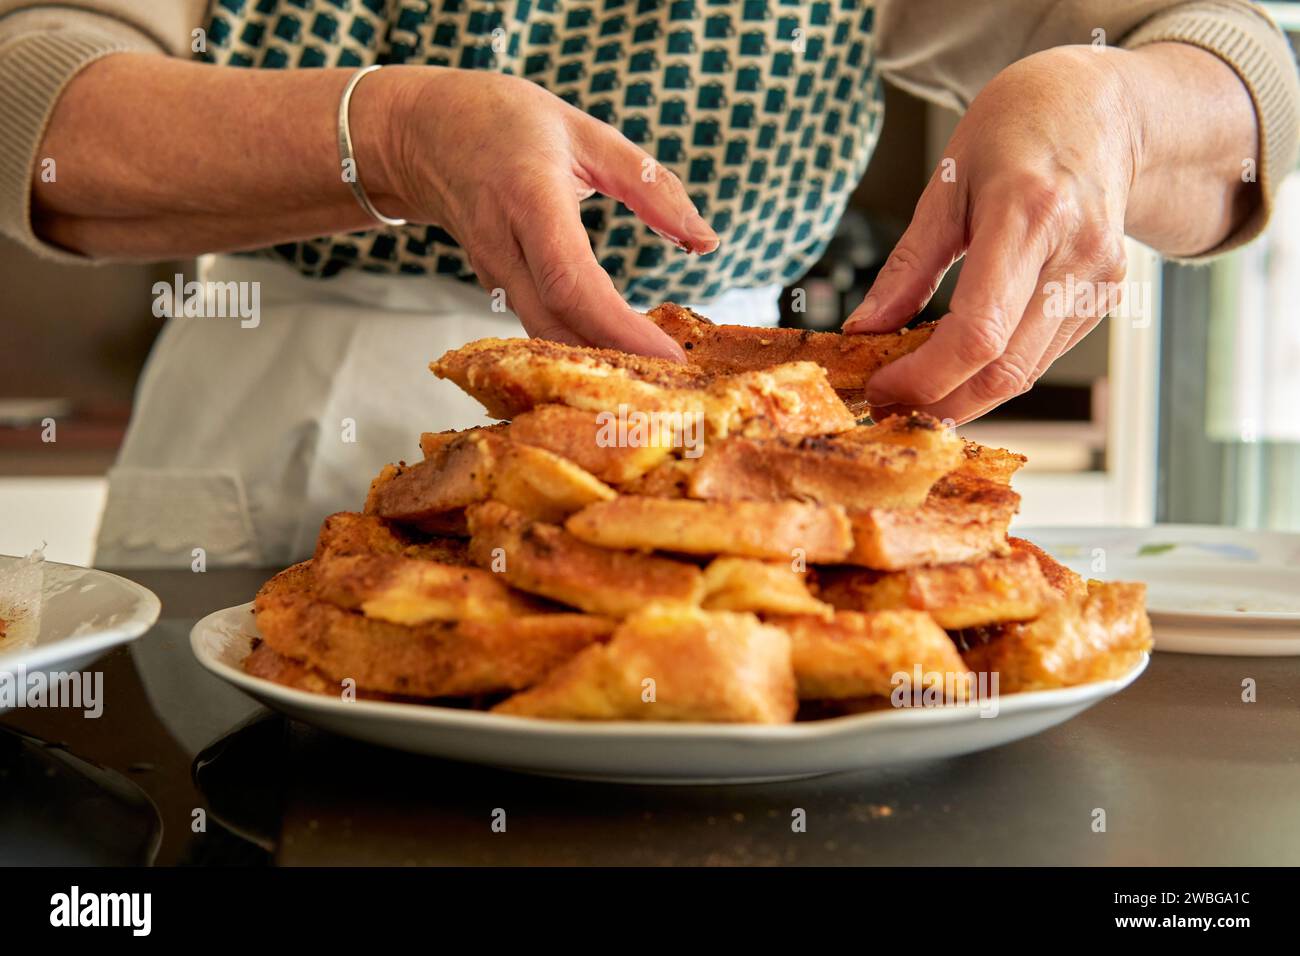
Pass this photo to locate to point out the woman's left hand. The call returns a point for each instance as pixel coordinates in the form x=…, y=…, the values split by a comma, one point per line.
x=1034, y=189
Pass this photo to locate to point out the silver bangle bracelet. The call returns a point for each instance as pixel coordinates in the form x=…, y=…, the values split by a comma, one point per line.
x=348, y=159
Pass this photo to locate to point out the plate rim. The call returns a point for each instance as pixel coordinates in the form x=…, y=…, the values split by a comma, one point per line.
x=40, y=656
x=1173, y=617
x=448, y=717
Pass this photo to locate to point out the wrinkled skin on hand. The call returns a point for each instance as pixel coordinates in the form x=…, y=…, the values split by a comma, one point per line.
x=501, y=164
x=1032, y=190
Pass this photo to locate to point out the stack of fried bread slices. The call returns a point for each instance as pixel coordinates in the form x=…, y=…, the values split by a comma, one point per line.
x=636, y=539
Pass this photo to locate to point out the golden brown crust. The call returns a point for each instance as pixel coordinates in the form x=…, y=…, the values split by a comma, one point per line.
x=412, y=591
x=584, y=437
x=546, y=560
x=763, y=587
x=669, y=479
x=295, y=579
x=858, y=654
x=991, y=464
x=513, y=376
x=364, y=563
x=432, y=443
x=962, y=519
x=673, y=664
x=265, y=662
x=455, y=476
x=794, y=399
x=431, y=660
x=769, y=530
x=352, y=532
x=1078, y=640
x=914, y=430
x=543, y=486
x=831, y=470
x=483, y=465
x=849, y=360
x=988, y=591
x=1060, y=578
x=268, y=664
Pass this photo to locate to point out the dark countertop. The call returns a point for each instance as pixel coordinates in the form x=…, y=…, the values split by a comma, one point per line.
x=1186, y=771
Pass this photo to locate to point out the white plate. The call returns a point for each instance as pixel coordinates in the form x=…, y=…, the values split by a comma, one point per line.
x=1210, y=590
x=62, y=617
x=636, y=752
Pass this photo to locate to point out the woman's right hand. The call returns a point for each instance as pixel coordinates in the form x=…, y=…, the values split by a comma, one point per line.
x=501, y=164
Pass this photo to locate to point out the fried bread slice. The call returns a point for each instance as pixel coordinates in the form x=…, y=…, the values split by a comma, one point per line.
x=794, y=399
x=763, y=587
x=295, y=579
x=856, y=654
x=432, y=660
x=918, y=430
x=431, y=443
x=770, y=530
x=669, y=479
x=543, y=485
x=992, y=464
x=595, y=442
x=962, y=519
x=513, y=376
x=456, y=475
x=413, y=591
x=849, y=360
x=1059, y=578
x=1077, y=640
x=265, y=662
x=673, y=664
x=988, y=591
x=268, y=664
x=352, y=532
x=362, y=563
x=481, y=465
x=546, y=560
x=852, y=473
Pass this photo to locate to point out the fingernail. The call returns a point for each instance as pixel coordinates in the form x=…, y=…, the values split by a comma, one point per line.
x=674, y=353
x=703, y=236
x=669, y=236
x=875, y=395
x=662, y=347
x=858, y=321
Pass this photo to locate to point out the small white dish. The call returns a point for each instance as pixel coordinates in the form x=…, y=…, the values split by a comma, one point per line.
x=645, y=752
x=1210, y=590
x=61, y=616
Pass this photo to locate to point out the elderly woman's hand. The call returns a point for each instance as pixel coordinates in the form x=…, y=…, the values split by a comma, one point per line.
x=501, y=163
x=496, y=161
x=1057, y=157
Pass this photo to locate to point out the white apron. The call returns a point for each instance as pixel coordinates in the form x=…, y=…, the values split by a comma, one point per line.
x=243, y=439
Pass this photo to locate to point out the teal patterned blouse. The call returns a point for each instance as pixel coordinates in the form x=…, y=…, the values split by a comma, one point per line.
x=768, y=110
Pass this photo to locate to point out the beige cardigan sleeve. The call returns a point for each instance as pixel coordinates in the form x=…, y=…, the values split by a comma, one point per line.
x=946, y=50
x=42, y=46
